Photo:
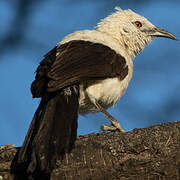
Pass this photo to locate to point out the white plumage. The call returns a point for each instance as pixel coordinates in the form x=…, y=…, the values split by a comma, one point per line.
x=118, y=31
x=111, y=32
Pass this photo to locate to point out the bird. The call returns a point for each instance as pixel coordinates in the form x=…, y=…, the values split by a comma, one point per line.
x=87, y=72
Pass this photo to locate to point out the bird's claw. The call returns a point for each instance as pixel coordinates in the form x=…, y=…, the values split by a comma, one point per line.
x=112, y=128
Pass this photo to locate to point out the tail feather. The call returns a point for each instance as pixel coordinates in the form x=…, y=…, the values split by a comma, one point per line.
x=52, y=132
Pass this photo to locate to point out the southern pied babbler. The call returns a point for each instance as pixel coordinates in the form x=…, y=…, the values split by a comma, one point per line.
x=87, y=72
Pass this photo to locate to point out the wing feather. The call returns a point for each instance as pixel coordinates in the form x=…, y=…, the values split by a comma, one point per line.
x=77, y=61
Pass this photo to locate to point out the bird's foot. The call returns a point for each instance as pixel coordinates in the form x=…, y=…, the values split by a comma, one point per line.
x=115, y=125
x=112, y=128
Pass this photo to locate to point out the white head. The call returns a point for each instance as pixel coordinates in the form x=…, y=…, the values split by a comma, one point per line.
x=132, y=31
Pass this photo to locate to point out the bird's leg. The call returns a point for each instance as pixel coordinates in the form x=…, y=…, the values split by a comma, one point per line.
x=115, y=124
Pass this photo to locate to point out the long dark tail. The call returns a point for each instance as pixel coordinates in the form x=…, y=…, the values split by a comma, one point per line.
x=52, y=132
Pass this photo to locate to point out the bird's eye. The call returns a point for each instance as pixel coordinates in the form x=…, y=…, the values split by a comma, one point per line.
x=138, y=24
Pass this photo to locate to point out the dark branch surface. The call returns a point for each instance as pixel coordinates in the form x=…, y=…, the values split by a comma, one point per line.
x=149, y=153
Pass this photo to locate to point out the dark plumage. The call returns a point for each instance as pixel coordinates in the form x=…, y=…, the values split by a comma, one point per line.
x=54, y=127
x=77, y=61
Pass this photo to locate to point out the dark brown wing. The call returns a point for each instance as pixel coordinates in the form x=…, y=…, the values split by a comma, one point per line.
x=77, y=61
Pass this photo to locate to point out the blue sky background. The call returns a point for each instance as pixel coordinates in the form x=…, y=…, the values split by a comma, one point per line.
x=30, y=30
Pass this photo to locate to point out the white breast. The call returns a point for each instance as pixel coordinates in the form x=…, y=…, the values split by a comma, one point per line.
x=107, y=92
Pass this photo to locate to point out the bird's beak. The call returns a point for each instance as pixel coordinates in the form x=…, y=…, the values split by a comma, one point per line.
x=159, y=32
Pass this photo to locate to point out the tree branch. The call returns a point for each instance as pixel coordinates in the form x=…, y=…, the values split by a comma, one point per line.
x=149, y=153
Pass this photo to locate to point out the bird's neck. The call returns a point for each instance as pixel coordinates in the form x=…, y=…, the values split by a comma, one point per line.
x=132, y=44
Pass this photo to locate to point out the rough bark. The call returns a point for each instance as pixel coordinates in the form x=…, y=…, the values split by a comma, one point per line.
x=150, y=153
